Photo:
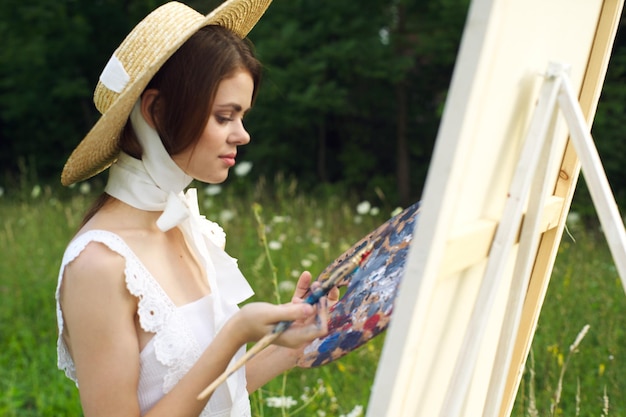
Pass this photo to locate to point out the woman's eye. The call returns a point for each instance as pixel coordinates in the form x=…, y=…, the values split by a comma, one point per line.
x=223, y=119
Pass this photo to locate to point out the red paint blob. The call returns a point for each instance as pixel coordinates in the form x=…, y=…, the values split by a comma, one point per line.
x=372, y=322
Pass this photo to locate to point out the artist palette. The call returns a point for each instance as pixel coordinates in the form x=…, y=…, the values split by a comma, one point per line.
x=365, y=309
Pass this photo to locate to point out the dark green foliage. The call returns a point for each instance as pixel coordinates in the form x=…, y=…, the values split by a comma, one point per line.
x=352, y=95
x=609, y=125
x=51, y=56
x=344, y=82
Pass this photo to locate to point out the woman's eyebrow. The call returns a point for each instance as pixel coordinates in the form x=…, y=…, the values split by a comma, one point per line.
x=237, y=108
x=234, y=106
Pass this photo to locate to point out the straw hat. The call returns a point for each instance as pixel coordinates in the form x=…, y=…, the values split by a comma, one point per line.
x=133, y=65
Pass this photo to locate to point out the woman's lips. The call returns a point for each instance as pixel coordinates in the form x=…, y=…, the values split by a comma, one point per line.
x=229, y=159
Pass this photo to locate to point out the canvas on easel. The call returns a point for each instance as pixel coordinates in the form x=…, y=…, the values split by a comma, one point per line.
x=473, y=245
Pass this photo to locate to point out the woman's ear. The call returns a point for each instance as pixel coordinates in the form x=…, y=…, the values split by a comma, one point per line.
x=148, y=99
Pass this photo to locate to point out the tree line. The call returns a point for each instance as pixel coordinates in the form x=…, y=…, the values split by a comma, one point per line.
x=352, y=94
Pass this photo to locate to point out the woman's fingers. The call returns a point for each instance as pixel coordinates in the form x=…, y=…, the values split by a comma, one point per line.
x=333, y=295
x=312, y=327
x=270, y=314
x=258, y=319
x=302, y=287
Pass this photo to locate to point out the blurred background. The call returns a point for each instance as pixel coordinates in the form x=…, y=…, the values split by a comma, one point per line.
x=343, y=130
x=352, y=94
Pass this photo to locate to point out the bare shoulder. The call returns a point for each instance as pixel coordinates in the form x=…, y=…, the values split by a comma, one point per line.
x=98, y=254
x=96, y=259
x=95, y=278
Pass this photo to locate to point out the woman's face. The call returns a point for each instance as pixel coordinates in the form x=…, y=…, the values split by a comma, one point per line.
x=214, y=154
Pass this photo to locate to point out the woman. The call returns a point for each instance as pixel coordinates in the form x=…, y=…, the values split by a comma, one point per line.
x=147, y=297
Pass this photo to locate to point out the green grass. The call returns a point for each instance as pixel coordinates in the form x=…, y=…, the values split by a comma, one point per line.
x=308, y=231
x=584, y=289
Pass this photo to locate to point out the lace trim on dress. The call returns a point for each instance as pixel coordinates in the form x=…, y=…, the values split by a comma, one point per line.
x=174, y=345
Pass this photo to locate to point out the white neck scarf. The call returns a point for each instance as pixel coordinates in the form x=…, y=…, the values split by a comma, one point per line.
x=156, y=183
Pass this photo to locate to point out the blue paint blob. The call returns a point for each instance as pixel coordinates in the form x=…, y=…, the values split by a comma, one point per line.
x=329, y=344
x=351, y=341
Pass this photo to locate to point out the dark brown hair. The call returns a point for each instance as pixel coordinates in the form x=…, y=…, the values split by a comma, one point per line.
x=187, y=84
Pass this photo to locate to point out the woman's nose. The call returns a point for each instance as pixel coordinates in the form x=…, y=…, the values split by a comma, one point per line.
x=240, y=135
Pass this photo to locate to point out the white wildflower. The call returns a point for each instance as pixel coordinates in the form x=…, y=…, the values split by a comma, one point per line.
x=84, y=188
x=275, y=245
x=374, y=211
x=321, y=388
x=295, y=273
x=280, y=402
x=396, y=211
x=356, y=412
x=243, y=168
x=573, y=218
x=280, y=219
x=226, y=215
x=286, y=286
x=305, y=394
x=363, y=207
x=36, y=191
x=306, y=263
x=213, y=189
x=383, y=33
x=358, y=220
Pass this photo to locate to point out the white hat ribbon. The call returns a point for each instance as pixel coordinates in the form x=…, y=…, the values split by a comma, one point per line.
x=175, y=212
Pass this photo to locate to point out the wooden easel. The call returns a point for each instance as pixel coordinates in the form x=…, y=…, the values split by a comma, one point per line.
x=531, y=191
x=494, y=205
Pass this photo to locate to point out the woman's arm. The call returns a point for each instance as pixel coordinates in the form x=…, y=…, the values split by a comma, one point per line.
x=100, y=332
x=99, y=315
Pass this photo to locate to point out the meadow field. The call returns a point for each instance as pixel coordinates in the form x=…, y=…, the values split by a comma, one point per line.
x=276, y=232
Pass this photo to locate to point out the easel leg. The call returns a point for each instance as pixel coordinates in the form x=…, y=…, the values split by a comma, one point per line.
x=594, y=174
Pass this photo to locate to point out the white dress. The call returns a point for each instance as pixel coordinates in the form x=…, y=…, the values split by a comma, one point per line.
x=180, y=333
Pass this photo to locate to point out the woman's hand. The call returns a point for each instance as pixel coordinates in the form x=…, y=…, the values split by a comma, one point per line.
x=255, y=320
x=303, y=288
x=309, y=323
